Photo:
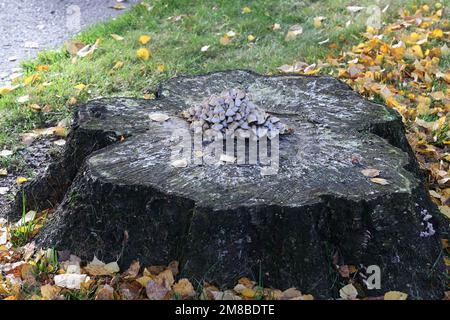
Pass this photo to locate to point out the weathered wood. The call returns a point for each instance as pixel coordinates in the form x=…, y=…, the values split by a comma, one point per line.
x=222, y=222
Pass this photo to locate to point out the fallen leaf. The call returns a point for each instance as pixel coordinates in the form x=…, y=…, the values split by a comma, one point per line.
x=132, y=271
x=70, y=280
x=161, y=68
x=354, y=9
x=276, y=26
x=180, y=163
x=293, y=32
x=49, y=292
x=117, y=66
x=99, y=268
x=156, y=290
x=105, y=292
x=348, y=292
x=74, y=46
x=184, y=288
x=246, y=10
x=225, y=40
x=318, y=22
x=204, y=48
x=395, y=295
x=144, y=39
x=380, y=181
x=119, y=6
x=21, y=180
x=5, y=90
x=445, y=210
x=250, y=38
x=6, y=153
x=3, y=172
x=23, y=99
x=130, y=290
x=248, y=293
x=80, y=86
x=144, y=280
x=290, y=294
x=159, y=117
x=166, y=278
x=143, y=53
x=372, y=173
x=117, y=37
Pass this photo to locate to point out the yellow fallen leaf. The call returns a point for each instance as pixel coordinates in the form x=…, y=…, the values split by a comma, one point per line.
x=118, y=65
x=417, y=51
x=21, y=180
x=4, y=90
x=248, y=293
x=161, y=68
x=317, y=22
x=143, y=53
x=445, y=210
x=119, y=6
x=246, y=10
x=80, y=86
x=116, y=37
x=395, y=295
x=31, y=79
x=436, y=34
x=250, y=38
x=144, y=39
x=42, y=67
x=60, y=131
x=144, y=280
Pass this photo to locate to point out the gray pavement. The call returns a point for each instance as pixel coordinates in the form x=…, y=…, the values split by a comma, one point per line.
x=28, y=26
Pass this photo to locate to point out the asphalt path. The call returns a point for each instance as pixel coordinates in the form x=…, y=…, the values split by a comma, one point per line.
x=28, y=26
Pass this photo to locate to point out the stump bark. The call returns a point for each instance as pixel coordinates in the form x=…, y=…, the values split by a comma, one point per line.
x=122, y=199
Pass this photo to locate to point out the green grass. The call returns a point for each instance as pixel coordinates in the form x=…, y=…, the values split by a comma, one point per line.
x=177, y=46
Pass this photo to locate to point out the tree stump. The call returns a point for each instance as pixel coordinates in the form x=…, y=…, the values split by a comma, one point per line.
x=123, y=199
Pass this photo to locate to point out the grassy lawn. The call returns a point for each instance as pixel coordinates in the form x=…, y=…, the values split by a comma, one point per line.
x=179, y=29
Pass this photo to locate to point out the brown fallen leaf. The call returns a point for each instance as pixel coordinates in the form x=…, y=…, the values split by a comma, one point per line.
x=184, y=288
x=105, y=292
x=130, y=290
x=156, y=290
x=49, y=292
x=166, y=278
x=132, y=271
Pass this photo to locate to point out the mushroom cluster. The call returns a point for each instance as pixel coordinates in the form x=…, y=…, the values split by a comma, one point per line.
x=232, y=112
